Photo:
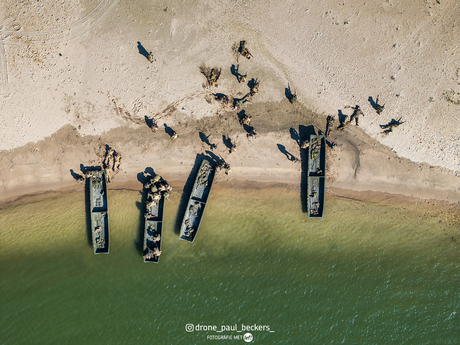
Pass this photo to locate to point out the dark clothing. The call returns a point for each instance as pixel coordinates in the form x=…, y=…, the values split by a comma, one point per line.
x=356, y=115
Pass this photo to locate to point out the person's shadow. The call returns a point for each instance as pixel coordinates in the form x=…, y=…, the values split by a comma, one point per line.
x=295, y=136
x=148, y=121
x=288, y=92
x=393, y=122
x=283, y=150
x=168, y=130
x=227, y=142
x=215, y=159
x=341, y=117
x=204, y=138
x=251, y=83
x=142, y=50
x=235, y=71
x=241, y=115
x=372, y=102
x=75, y=175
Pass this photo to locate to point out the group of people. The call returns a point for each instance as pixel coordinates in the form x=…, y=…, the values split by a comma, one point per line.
x=357, y=112
x=156, y=188
x=247, y=97
x=152, y=248
x=111, y=163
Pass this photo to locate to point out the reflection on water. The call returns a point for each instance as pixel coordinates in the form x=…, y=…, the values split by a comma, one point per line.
x=366, y=273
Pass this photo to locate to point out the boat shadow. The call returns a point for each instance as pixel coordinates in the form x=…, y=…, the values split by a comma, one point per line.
x=142, y=177
x=304, y=134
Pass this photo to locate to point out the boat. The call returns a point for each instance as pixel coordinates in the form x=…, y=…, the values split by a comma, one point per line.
x=197, y=201
x=316, y=176
x=99, y=210
x=156, y=189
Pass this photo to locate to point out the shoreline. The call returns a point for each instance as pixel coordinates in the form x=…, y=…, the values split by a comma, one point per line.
x=364, y=195
x=357, y=166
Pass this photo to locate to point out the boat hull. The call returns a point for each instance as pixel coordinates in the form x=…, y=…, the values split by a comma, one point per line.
x=197, y=201
x=316, y=176
x=99, y=211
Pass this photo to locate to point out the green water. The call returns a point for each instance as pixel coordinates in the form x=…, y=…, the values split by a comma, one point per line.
x=366, y=274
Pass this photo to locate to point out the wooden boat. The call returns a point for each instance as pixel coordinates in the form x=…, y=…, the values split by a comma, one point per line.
x=197, y=201
x=99, y=211
x=316, y=176
x=156, y=189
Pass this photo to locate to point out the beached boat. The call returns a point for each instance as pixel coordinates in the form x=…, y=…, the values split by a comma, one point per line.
x=156, y=190
x=316, y=176
x=99, y=211
x=197, y=201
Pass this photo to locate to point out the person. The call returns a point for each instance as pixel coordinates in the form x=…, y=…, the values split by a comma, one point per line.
x=378, y=108
x=232, y=146
x=241, y=101
x=214, y=76
x=244, y=51
x=293, y=98
x=173, y=134
x=154, y=125
x=255, y=87
x=220, y=165
x=242, y=78
x=356, y=113
x=246, y=120
x=107, y=175
x=293, y=159
x=227, y=168
x=150, y=57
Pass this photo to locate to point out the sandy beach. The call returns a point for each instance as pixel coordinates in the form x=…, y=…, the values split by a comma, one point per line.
x=75, y=77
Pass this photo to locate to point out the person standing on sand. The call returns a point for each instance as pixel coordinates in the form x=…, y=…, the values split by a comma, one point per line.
x=294, y=159
x=244, y=51
x=356, y=114
x=150, y=57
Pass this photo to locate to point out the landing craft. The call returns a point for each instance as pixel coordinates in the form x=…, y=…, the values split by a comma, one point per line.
x=99, y=211
x=197, y=201
x=316, y=176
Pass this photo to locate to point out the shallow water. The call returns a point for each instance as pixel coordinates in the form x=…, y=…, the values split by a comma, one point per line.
x=365, y=274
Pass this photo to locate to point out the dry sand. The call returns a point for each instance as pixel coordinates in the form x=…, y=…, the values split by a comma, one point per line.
x=74, y=77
